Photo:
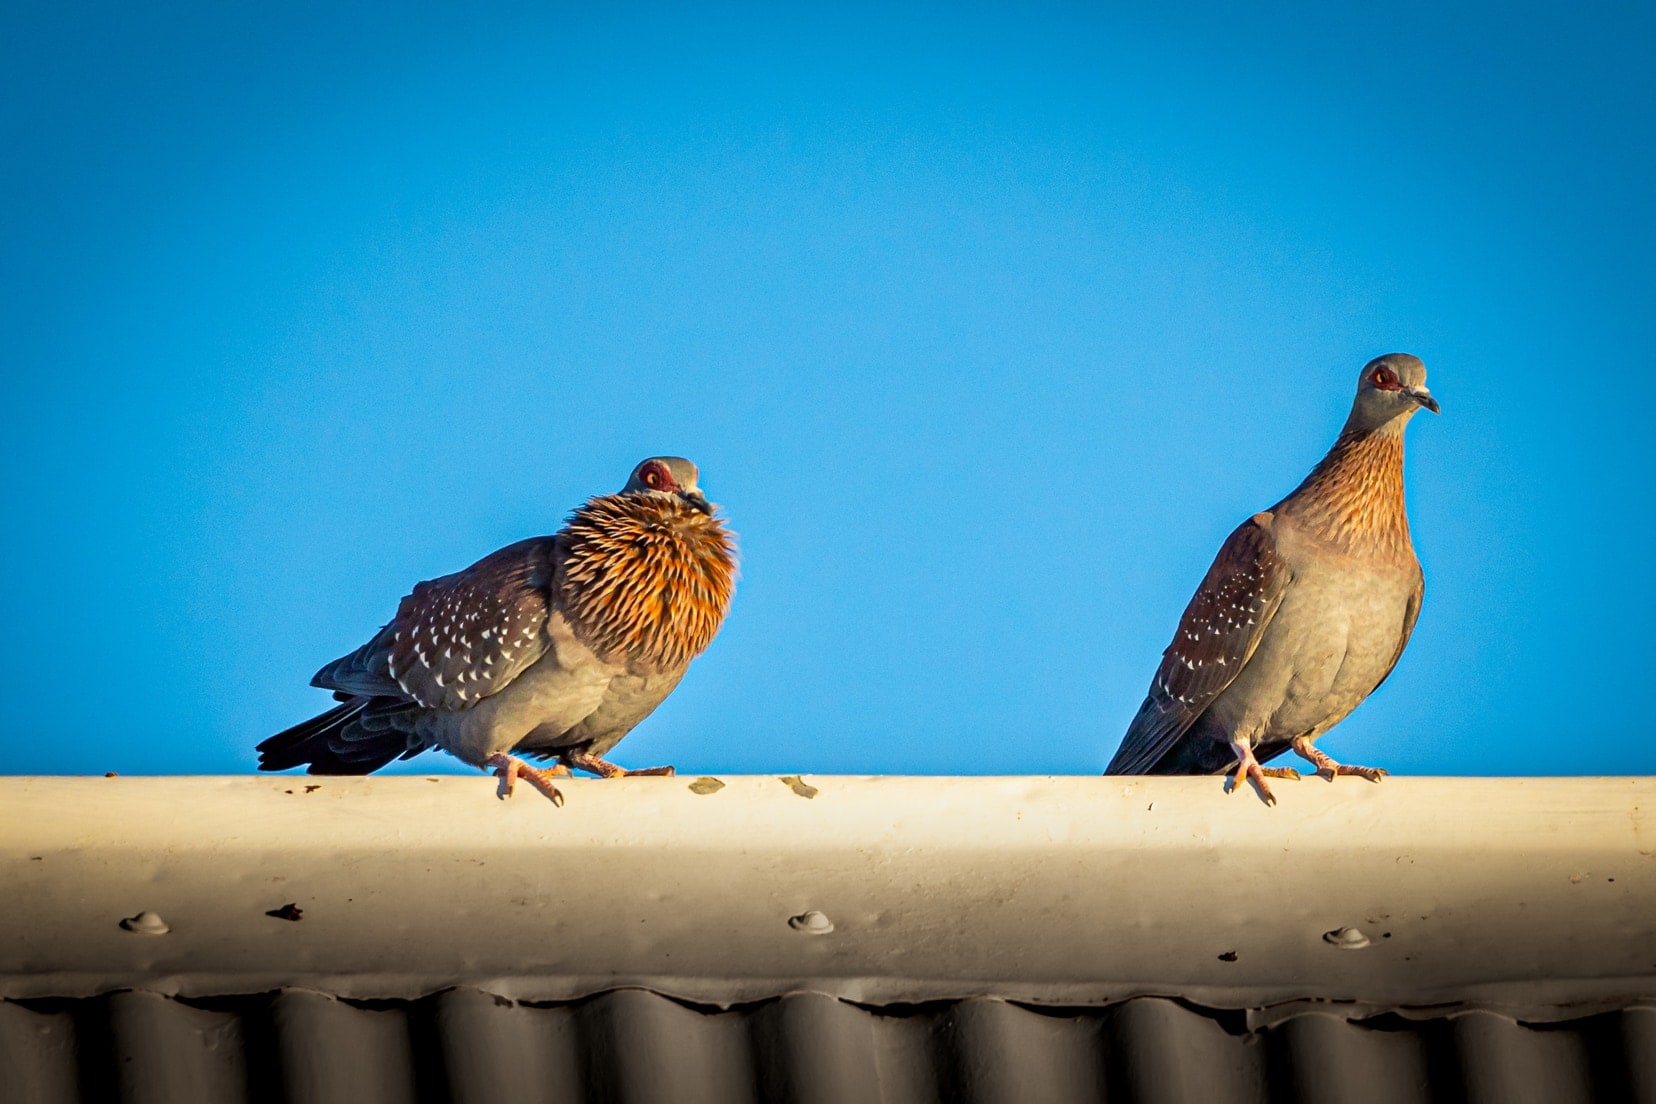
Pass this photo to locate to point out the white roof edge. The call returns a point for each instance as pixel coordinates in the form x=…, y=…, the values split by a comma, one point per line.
x=1523, y=894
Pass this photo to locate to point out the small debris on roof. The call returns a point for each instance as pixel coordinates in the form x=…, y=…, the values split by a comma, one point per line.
x=1228, y=956
x=289, y=911
x=111, y=774
x=799, y=786
x=312, y=789
x=706, y=785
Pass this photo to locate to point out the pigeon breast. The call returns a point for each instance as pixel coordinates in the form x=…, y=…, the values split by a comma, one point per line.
x=646, y=579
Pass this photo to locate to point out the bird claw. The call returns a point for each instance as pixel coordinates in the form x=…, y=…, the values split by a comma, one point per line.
x=507, y=768
x=1373, y=774
x=603, y=768
x=1248, y=768
x=1257, y=773
x=1329, y=769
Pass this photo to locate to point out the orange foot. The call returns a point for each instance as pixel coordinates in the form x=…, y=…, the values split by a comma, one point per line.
x=507, y=768
x=605, y=769
x=1247, y=767
x=1328, y=768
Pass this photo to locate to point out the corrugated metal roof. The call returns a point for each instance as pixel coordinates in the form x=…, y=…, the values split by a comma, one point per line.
x=979, y=940
x=632, y=1047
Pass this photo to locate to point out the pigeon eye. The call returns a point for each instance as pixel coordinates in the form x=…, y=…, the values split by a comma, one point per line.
x=1383, y=378
x=651, y=478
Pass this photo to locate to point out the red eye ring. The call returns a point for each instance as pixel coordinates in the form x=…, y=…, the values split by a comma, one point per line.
x=1383, y=377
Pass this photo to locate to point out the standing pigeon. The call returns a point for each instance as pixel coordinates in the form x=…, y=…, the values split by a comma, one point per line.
x=1304, y=612
x=554, y=646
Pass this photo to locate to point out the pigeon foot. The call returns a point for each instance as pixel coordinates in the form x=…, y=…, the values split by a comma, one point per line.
x=507, y=768
x=1329, y=769
x=1249, y=769
x=603, y=768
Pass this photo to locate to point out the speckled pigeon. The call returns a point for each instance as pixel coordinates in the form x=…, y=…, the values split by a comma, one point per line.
x=1304, y=612
x=553, y=647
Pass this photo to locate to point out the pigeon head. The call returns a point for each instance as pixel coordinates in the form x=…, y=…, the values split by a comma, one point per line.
x=1391, y=389
x=671, y=476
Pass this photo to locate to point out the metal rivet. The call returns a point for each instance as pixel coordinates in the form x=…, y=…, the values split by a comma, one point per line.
x=146, y=923
x=1347, y=939
x=811, y=923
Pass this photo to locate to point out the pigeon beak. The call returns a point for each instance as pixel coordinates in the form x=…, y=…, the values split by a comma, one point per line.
x=697, y=501
x=1424, y=398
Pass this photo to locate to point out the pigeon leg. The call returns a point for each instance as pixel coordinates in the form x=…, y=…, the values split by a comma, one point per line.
x=1248, y=768
x=508, y=767
x=1328, y=768
x=605, y=769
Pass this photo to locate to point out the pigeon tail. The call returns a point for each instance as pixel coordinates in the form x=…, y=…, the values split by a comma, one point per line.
x=335, y=743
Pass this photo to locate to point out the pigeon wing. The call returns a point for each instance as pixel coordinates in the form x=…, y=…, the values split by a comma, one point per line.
x=1411, y=614
x=460, y=638
x=1216, y=636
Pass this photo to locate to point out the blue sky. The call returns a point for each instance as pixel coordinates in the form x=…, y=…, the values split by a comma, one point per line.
x=985, y=325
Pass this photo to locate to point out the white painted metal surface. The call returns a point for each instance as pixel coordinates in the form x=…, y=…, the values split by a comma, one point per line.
x=1516, y=893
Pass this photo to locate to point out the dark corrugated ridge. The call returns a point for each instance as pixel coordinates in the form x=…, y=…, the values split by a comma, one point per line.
x=631, y=1046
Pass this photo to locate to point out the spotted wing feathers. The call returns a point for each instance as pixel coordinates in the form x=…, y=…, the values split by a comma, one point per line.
x=1217, y=634
x=460, y=638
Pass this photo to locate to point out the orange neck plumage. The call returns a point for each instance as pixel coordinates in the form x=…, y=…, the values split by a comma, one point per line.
x=646, y=579
x=1355, y=495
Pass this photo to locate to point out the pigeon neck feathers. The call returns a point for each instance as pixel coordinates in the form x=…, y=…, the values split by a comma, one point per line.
x=1354, y=497
x=646, y=579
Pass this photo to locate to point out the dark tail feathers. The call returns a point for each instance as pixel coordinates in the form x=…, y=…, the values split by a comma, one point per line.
x=335, y=742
